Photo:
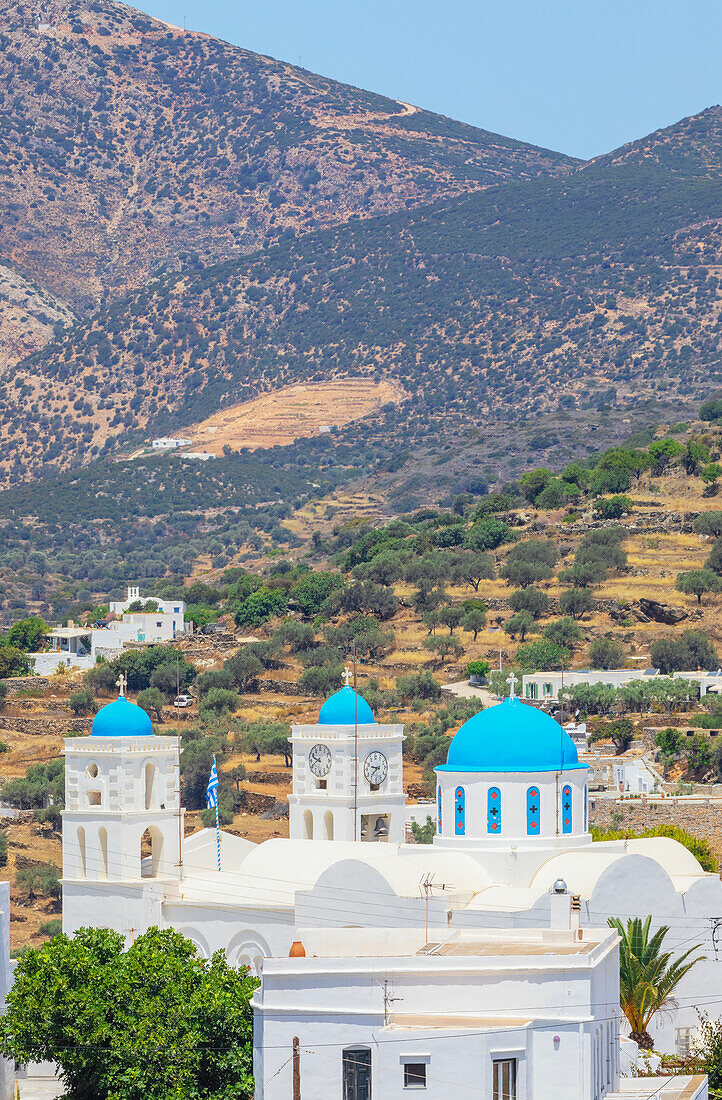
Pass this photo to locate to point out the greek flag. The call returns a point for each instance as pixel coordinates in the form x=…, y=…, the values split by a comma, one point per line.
x=212, y=789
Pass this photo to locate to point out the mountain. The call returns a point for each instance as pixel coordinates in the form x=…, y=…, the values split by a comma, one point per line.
x=128, y=147
x=504, y=304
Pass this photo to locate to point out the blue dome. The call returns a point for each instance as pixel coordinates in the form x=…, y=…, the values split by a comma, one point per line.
x=345, y=708
x=511, y=737
x=121, y=719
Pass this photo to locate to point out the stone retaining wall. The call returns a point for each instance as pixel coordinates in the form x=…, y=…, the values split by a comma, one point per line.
x=25, y=683
x=39, y=727
x=701, y=818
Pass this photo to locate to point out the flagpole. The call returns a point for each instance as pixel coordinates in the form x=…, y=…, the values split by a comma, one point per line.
x=217, y=825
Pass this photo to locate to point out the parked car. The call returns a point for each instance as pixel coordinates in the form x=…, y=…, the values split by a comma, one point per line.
x=183, y=701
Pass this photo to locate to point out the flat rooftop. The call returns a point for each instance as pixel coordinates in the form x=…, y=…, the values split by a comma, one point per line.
x=659, y=1088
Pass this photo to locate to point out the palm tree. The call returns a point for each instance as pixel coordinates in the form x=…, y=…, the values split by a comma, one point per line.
x=647, y=975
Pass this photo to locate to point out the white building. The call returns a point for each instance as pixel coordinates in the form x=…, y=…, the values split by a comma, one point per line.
x=508, y=1015
x=511, y=806
x=74, y=646
x=168, y=607
x=545, y=686
x=164, y=443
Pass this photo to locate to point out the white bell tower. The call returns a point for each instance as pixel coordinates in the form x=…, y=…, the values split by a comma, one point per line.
x=122, y=823
x=348, y=780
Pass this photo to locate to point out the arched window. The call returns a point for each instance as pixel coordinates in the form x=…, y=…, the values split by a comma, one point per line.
x=438, y=809
x=493, y=811
x=103, y=844
x=151, y=852
x=566, y=809
x=459, y=811
x=149, y=774
x=307, y=825
x=533, y=811
x=328, y=825
x=82, y=865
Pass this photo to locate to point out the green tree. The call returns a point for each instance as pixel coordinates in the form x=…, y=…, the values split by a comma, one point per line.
x=183, y=1025
x=530, y=599
x=620, y=731
x=313, y=588
x=423, y=834
x=662, y=453
x=443, y=646
x=27, y=635
x=265, y=738
x=244, y=668
x=541, y=656
x=613, y=507
x=711, y=409
x=563, y=632
x=709, y=523
x=606, y=653
x=152, y=702
x=40, y=880
x=710, y=475
x=488, y=533
x=692, y=650
x=418, y=685
x=451, y=617
x=478, y=668
x=218, y=701
x=474, y=621
x=260, y=606
x=82, y=702
x=648, y=976
x=697, y=582
x=473, y=568
x=519, y=625
x=13, y=662
x=576, y=602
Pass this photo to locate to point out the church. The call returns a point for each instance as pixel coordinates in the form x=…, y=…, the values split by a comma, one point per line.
x=512, y=836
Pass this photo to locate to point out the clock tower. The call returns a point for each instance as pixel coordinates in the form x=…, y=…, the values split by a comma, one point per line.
x=348, y=781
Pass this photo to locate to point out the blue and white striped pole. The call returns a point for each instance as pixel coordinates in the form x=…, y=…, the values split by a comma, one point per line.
x=212, y=802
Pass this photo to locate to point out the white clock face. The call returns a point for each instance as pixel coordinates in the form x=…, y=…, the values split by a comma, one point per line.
x=319, y=760
x=376, y=767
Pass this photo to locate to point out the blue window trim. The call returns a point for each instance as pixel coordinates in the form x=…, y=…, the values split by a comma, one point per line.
x=493, y=811
x=533, y=811
x=567, y=808
x=460, y=811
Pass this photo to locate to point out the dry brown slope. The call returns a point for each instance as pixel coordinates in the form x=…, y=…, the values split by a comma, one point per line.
x=127, y=146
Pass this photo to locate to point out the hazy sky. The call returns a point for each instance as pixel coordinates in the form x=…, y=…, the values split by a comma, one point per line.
x=579, y=76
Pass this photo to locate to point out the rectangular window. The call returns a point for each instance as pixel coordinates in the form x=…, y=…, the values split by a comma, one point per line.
x=414, y=1075
x=504, y=1078
x=547, y=689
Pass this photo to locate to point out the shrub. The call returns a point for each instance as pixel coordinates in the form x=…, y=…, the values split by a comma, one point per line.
x=709, y=523
x=83, y=702
x=418, y=685
x=692, y=650
x=606, y=653
x=613, y=507
x=711, y=409
x=423, y=834
x=218, y=701
x=478, y=668
x=488, y=534
x=51, y=927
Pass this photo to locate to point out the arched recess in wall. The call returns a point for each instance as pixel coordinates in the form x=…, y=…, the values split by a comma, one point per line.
x=103, y=846
x=151, y=852
x=82, y=861
x=197, y=940
x=328, y=825
x=248, y=948
x=307, y=825
x=149, y=777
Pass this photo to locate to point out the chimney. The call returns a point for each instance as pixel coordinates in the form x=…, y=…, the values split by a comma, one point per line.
x=560, y=906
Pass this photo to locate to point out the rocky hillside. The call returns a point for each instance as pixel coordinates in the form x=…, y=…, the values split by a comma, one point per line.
x=128, y=146
x=520, y=299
